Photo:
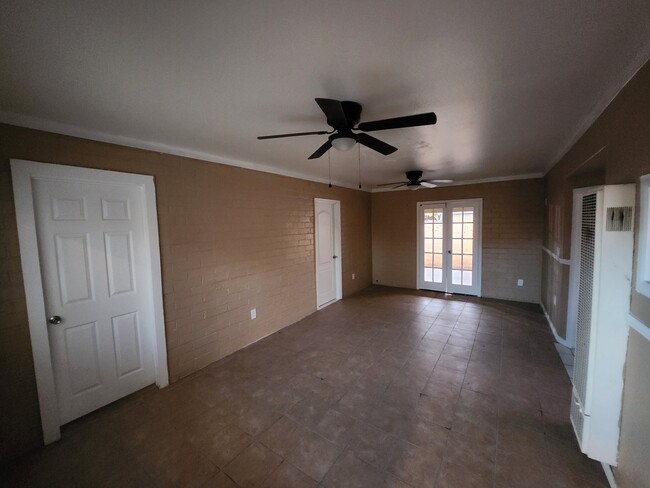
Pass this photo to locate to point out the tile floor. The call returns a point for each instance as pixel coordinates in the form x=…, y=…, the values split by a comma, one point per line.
x=389, y=388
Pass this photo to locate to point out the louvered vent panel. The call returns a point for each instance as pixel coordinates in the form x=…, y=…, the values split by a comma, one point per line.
x=619, y=219
x=586, y=282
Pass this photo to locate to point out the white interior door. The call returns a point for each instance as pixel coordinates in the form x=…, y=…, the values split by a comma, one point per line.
x=449, y=248
x=93, y=255
x=328, y=261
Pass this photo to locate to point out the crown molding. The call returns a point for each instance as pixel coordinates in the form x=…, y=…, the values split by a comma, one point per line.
x=28, y=122
x=528, y=176
x=599, y=108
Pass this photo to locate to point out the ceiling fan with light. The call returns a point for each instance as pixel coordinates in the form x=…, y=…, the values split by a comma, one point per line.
x=415, y=182
x=344, y=116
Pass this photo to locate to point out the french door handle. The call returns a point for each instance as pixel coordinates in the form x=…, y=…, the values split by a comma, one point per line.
x=334, y=257
x=55, y=320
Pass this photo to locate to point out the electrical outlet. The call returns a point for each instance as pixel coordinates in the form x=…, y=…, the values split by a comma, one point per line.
x=520, y=282
x=253, y=313
x=353, y=276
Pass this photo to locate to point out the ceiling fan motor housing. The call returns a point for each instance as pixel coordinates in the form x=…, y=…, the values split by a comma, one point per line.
x=414, y=176
x=352, y=111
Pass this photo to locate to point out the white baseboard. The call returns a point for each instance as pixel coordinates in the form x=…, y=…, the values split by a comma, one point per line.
x=564, y=342
x=609, y=475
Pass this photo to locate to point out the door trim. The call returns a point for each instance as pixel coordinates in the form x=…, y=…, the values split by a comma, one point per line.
x=23, y=173
x=479, y=240
x=337, y=249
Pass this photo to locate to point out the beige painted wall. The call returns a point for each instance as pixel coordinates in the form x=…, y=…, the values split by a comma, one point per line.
x=231, y=239
x=512, y=235
x=615, y=149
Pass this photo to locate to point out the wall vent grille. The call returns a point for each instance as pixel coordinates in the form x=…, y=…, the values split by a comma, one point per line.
x=619, y=219
x=585, y=291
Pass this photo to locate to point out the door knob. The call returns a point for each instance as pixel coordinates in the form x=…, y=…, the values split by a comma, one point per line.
x=334, y=257
x=54, y=320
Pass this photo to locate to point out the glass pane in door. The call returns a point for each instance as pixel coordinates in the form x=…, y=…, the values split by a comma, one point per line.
x=462, y=249
x=433, y=245
x=449, y=256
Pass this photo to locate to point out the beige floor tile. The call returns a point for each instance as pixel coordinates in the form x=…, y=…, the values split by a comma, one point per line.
x=388, y=388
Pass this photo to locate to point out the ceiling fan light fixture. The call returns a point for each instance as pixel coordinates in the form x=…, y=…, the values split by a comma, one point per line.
x=343, y=143
x=413, y=186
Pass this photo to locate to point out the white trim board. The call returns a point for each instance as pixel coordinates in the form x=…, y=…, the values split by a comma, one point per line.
x=638, y=326
x=601, y=105
x=566, y=262
x=159, y=147
x=28, y=122
x=23, y=173
x=558, y=339
x=496, y=179
x=643, y=239
x=609, y=475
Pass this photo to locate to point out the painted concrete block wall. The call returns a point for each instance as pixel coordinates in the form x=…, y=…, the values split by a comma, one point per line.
x=231, y=240
x=614, y=150
x=512, y=235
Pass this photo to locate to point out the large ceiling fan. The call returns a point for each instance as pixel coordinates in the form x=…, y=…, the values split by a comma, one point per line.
x=415, y=181
x=344, y=116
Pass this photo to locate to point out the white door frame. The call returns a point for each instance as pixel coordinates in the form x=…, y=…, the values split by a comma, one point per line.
x=574, y=267
x=479, y=240
x=23, y=173
x=337, y=249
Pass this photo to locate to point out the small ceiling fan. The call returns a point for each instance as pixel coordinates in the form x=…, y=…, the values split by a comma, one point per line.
x=344, y=116
x=415, y=182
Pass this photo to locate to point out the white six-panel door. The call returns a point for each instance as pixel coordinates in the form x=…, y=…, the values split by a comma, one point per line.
x=93, y=255
x=449, y=246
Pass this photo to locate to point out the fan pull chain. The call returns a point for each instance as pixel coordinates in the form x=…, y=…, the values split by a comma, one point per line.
x=359, y=146
x=329, y=164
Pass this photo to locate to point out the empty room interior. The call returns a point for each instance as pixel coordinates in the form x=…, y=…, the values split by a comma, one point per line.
x=325, y=244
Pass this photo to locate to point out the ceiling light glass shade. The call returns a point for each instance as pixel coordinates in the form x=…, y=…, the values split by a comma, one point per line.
x=413, y=187
x=343, y=143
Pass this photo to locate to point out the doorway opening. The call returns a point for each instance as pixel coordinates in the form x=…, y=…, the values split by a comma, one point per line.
x=91, y=265
x=449, y=246
x=327, y=230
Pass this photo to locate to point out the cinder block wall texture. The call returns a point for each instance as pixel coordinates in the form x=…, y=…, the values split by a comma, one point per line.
x=512, y=229
x=231, y=239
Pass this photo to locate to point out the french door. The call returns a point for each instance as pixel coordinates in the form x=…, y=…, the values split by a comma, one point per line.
x=449, y=246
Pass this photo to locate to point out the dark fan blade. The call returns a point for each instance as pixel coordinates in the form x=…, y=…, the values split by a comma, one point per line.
x=376, y=144
x=334, y=112
x=394, y=183
x=426, y=184
x=399, y=186
x=398, y=122
x=321, y=150
x=295, y=134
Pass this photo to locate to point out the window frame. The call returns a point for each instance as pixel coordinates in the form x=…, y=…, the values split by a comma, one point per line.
x=643, y=260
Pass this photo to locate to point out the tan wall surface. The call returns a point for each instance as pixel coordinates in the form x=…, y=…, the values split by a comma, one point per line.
x=512, y=235
x=615, y=150
x=231, y=239
x=633, y=470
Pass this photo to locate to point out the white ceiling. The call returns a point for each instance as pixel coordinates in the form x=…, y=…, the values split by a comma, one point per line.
x=514, y=83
